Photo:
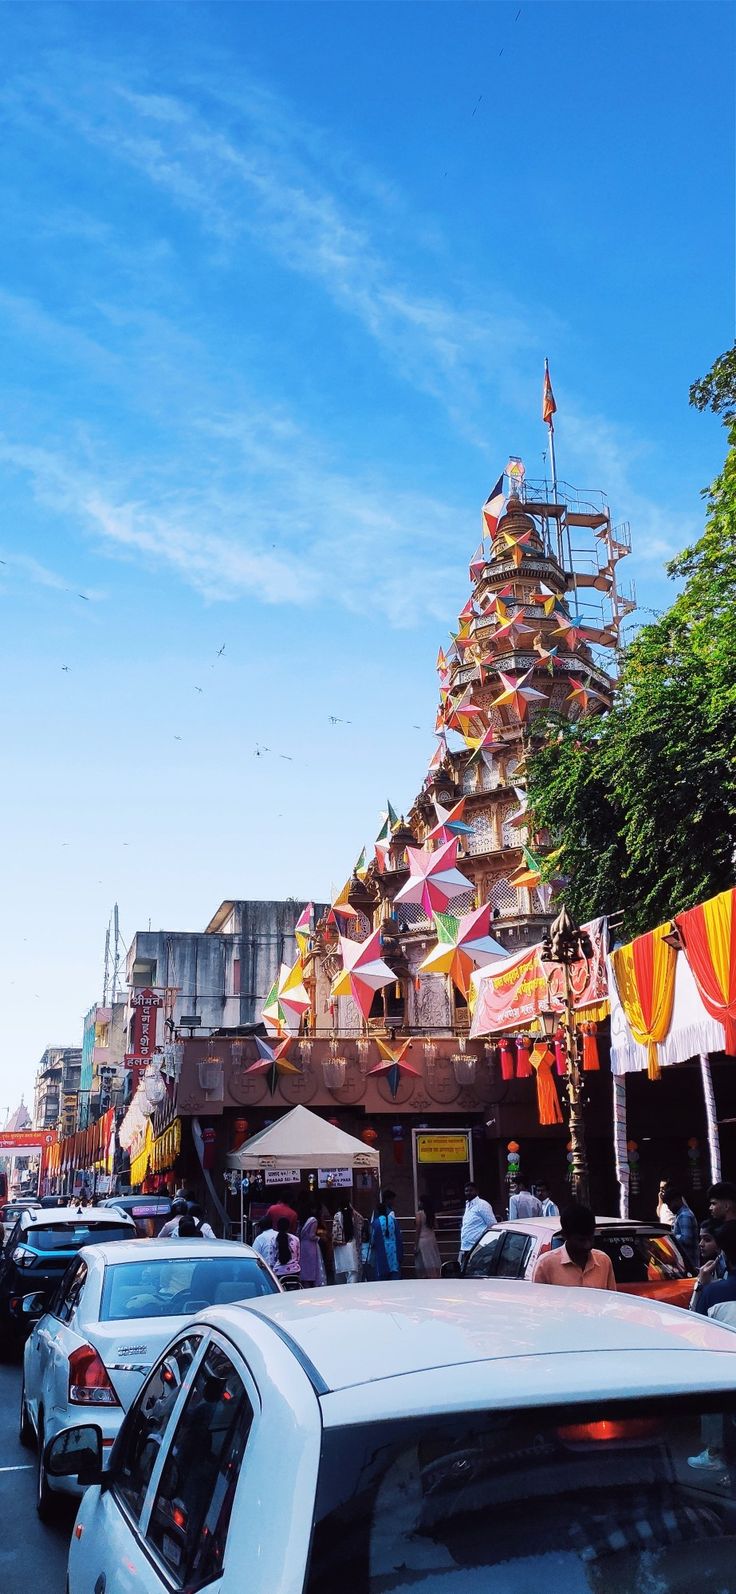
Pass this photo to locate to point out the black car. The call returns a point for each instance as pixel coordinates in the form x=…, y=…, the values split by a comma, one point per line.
x=149, y=1212
x=38, y=1251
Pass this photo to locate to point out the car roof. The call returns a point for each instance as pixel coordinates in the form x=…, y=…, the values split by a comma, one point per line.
x=552, y=1225
x=173, y=1250
x=72, y=1215
x=369, y=1334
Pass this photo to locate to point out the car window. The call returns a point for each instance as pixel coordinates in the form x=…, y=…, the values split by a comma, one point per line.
x=70, y=1290
x=191, y=1512
x=482, y=1261
x=13, y=1238
x=139, y=1444
x=513, y=1259
x=642, y=1258
x=166, y=1288
x=72, y=1236
x=587, y=1500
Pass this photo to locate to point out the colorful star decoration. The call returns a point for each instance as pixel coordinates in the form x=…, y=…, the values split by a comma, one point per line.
x=516, y=694
x=393, y=1064
x=363, y=971
x=463, y=944
x=582, y=693
x=450, y=822
x=434, y=882
x=287, y=1000
x=272, y=1061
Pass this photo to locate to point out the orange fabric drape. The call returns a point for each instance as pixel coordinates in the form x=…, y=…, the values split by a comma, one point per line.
x=645, y=976
x=548, y=1107
x=708, y=935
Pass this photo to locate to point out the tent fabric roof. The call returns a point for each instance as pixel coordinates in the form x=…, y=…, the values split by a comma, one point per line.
x=301, y=1139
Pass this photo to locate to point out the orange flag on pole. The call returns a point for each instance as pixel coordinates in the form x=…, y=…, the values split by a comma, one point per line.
x=549, y=407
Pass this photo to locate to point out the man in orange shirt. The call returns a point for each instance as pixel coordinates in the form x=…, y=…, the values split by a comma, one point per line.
x=576, y=1264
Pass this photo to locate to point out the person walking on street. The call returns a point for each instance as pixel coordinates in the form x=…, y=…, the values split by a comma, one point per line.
x=522, y=1203
x=550, y=1208
x=179, y=1206
x=386, y=1253
x=312, y=1263
x=345, y=1229
x=427, y=1255
x=203, y=1227
x=718, y=1297
x=664, y=1212
x=265, y=1239
x=684, y=1226
x=576, y=1264
x=285, y=1256
x=710, y=1262
x=477, y=1218
x=722, y=1202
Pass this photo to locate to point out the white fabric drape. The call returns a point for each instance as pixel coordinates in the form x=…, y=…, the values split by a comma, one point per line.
x=691, y=1032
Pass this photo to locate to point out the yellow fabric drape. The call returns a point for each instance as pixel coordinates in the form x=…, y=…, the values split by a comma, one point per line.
x=645, y=976
x=139, y=1164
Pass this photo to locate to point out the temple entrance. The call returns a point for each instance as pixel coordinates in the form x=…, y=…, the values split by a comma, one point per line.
x=443, y=1164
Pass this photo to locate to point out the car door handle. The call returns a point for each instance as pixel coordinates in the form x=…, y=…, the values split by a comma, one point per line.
x=99, y=1587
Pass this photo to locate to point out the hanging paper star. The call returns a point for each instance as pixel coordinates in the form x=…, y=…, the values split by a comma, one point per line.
x=477, y=563
x=438, y=757
x=516, y=543
x=303, y=928
x=449, y=822
x=463, y=944
x=363, y=971
x=581, y=693
x=273, y=1061
x=570, y=628
x=287, y=1000
x=361, y=868
x=467, y=613
x=441, y=665
x=394, y=1064
x=487, y=742
x=521, y=813
x=516, y=695
x=433, y=879
x=529, y=873
x=510, y=629
x=342, y=908
x=493, y=509
x=544, y=597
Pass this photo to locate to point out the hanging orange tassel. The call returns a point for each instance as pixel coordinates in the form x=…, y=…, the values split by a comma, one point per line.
x=523, y=1066
x=507, y=1060
x=548, y=1107
x=591, y=1060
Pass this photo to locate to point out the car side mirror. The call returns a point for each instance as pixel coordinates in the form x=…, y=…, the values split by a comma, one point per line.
x=34, y=1306
x=76, y=1453
x=450, y=1270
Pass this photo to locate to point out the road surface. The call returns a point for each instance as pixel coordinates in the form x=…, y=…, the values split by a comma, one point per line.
x=32, y=1557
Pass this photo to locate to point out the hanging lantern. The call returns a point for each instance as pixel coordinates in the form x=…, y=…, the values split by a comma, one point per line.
x=591, y=1060
x=305, y=1052
x=523, y=1065
x=464, y=1067
x=430, y=1060
x=154, y=1087
x=462, y=1044
x=334, y=1069
x=334, y=1046
x=369, y=1136
x=209, y=1138
x=507, y=1058
x=335, y=1122
x=560, y=1050
x=363, y=1050
x=237, y=1052
x=240, y=1128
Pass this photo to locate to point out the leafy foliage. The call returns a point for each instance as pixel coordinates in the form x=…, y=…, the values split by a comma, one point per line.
x=643, y=801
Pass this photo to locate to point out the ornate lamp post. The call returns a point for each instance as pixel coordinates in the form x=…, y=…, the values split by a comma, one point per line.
x=566, y=944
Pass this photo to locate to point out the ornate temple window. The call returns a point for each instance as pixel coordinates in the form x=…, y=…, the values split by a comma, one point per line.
x=511, y=835
x=470, y=777
x=411, y=916
x=505, y=898
x=482, y=839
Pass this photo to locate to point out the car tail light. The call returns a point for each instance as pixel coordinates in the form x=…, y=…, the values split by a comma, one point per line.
x=608, y=1432
x=89, y=1384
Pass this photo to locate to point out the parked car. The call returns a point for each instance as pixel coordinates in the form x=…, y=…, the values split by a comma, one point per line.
x=56, y=1201
x=409, y=1436
x=37, y=1254
x=10, y=1211
x=149, y=1213
x=112, y=1316
x=646, y=1260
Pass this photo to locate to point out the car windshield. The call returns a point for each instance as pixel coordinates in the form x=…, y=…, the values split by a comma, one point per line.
x=639, y=1258
x=167, y=1288
x=72, y=1236
x=582, y=1501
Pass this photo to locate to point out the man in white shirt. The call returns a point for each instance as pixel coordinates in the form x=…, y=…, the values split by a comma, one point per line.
x=550, y=1208
x=477, y=1218
x=523, y=1204
x=179, y=1208
x=265, y=1240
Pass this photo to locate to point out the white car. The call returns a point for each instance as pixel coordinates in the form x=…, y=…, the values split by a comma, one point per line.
x=114, y=1313
x=417, y=1438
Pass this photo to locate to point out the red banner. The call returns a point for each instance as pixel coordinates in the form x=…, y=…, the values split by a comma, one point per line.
x=25, y=1142
x=515, y=992
x=145, y=1006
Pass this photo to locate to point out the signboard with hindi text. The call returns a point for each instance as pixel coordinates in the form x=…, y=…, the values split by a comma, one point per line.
x=282, y=1175
x=335, y=1178
x=443, y=1148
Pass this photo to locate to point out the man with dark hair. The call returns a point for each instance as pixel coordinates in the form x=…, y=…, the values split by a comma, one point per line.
x=722, y=1202
x=708, y=1298
x=477, y=1218
x=684, y=1225
x=576, y=1264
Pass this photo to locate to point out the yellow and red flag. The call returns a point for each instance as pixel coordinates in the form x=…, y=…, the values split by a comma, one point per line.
x=549, y=407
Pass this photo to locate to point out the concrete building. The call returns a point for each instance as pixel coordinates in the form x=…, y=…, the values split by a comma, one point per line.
x=56, y=1088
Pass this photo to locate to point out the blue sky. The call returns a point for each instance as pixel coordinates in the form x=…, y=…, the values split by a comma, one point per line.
x=277, y=286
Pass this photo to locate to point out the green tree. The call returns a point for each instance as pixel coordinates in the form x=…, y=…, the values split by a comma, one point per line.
x=642, y=801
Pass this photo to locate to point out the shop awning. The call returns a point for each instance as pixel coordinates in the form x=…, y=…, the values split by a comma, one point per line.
x=301, y=1139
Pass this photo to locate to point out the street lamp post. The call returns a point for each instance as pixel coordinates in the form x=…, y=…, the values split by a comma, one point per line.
x=564, y=945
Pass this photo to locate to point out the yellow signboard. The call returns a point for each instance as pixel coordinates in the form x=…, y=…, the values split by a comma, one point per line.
x=442, y=1148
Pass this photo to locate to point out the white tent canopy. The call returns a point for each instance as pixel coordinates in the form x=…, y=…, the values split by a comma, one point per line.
x=301, y=1139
